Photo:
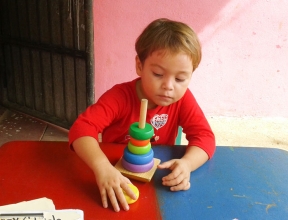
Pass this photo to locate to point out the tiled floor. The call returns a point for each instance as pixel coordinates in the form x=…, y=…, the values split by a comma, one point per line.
x=249, y=132
x=18, y=126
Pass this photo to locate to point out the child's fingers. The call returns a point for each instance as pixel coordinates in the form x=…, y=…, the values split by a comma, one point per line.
x=184, y=185
x=113, y=199
x=173, y=179
x=179, y=178
x=128, y=191
x=176, y=171
x=104, y=198
x=121, y=198
x=127, y=181
x=187, y=186
x=167, y=165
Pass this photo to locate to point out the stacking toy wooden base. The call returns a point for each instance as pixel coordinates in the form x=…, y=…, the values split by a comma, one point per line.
x=143, y=177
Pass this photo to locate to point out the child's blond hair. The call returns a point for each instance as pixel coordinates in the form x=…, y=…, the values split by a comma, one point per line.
x=174, y=36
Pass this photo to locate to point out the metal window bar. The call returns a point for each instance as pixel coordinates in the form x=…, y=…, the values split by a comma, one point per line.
x=47, y=62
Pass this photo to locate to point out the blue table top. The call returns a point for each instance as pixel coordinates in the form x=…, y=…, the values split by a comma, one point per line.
x=237, y=183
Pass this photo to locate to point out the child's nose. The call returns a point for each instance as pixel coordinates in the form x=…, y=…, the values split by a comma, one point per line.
x=167, y=84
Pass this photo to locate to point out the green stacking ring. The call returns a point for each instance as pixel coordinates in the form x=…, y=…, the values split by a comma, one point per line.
x=141, y=134
x=139, y=150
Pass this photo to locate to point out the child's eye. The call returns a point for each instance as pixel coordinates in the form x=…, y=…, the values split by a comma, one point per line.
x=156, y=74
x=180, y=80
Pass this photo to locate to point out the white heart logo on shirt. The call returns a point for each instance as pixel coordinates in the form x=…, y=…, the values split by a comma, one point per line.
x=158, y=121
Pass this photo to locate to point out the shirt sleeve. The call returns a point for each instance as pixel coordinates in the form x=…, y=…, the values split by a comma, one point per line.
x=195, y=125
x=97, y=116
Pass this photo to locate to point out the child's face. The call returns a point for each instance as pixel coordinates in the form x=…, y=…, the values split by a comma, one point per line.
x=164, y=76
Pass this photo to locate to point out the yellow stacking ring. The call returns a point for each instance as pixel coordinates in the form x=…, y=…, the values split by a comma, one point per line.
x=139, y=150
x=135, y=191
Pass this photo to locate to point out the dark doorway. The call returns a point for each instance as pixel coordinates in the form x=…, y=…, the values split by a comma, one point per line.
x=46, y=58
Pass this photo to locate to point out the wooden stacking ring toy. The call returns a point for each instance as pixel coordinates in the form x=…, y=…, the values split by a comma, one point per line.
x=139, y=143
x=138, y=159
x=135, y=191
x=137, y=168
x=139, y=150
x=141, y=133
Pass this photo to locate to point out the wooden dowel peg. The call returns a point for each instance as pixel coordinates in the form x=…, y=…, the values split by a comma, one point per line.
x=143, y=113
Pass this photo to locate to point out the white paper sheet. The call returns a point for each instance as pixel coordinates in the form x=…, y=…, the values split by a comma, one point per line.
x=36, y=204
x=43, y=207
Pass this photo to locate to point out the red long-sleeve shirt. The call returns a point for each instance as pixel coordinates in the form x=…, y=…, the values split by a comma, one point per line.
x=119, y=107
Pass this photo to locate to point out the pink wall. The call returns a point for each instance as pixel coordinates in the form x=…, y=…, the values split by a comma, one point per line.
x=244, y=70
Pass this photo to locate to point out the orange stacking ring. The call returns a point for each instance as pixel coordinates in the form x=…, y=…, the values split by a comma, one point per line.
x=139, y=143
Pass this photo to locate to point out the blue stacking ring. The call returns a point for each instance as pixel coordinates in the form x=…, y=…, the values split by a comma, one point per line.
x=138, y=159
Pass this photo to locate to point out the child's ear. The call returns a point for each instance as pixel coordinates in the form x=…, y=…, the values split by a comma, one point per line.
x=138, y=66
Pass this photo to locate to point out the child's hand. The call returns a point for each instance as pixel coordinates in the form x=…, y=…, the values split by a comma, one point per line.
x=111, y=182
x=179, y=178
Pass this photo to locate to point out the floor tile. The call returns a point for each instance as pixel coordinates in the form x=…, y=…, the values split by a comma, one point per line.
x=18, y=126
x=54, y=133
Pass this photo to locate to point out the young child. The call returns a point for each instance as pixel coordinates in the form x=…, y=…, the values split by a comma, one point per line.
x=167, y=54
